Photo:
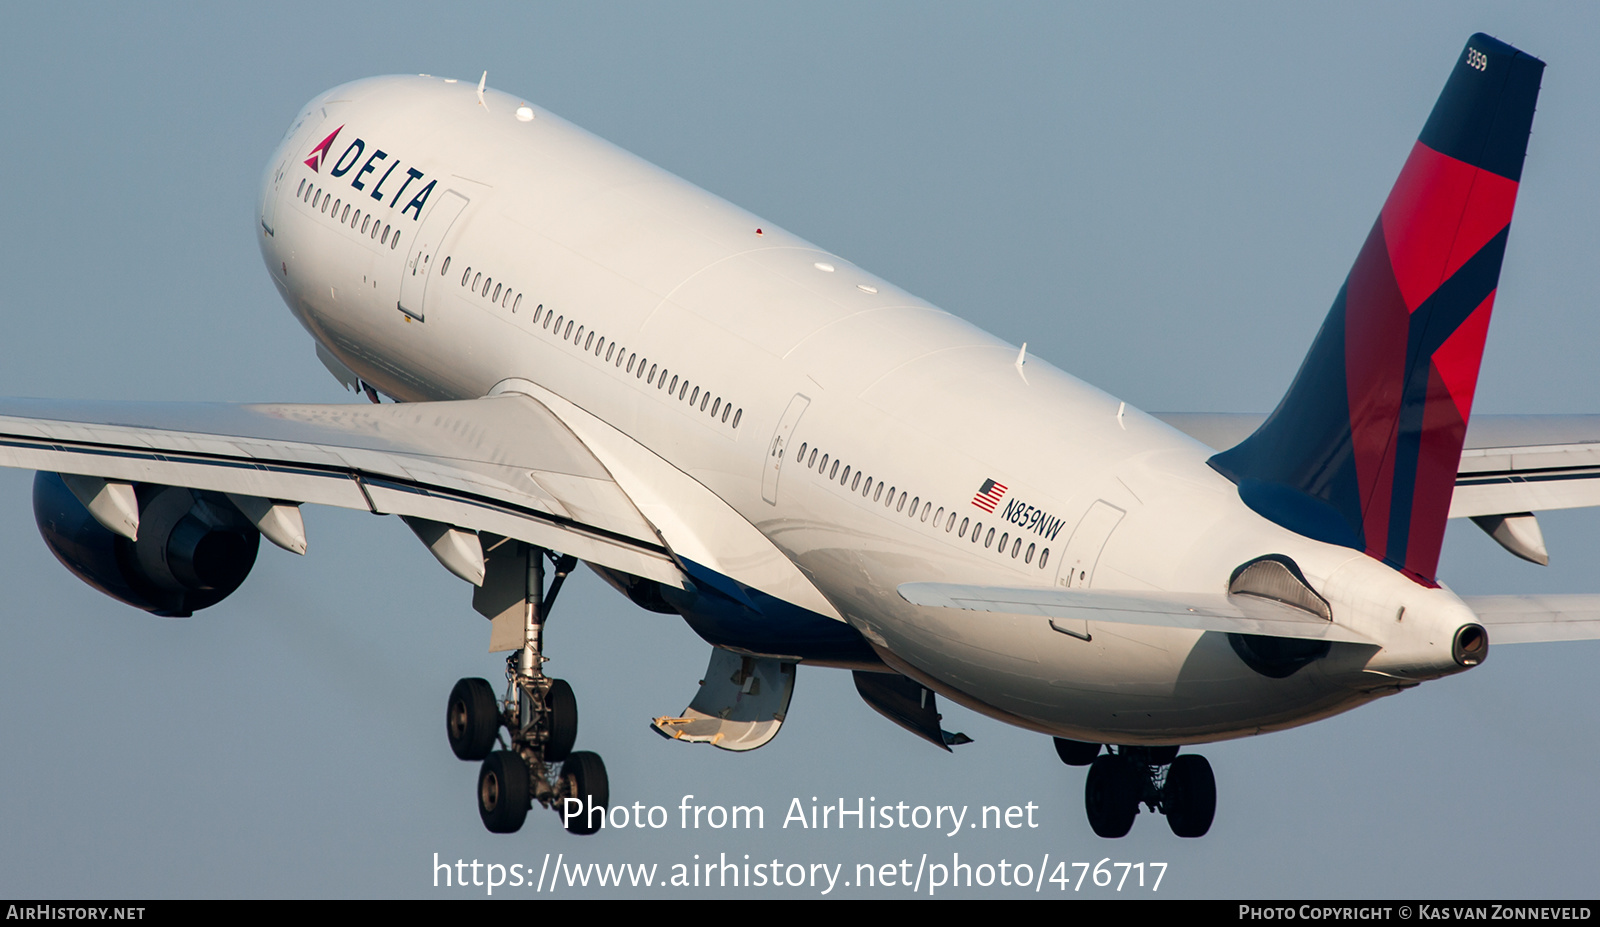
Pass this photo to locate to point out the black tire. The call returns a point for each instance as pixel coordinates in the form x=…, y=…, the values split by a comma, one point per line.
x=472, y=719
x=1161, y=756
x=503, y=789
x=1076, y=752
x=1111, y=796
x=563, y=718
x=585, y=775
x=1190, y=796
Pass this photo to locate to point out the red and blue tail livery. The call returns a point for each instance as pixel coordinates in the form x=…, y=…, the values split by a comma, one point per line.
x=1363, y=449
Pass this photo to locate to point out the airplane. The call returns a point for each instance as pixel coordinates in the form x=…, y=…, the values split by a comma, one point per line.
x=594, y=358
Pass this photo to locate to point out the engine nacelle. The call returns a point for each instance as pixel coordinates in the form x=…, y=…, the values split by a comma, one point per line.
x=193, y=551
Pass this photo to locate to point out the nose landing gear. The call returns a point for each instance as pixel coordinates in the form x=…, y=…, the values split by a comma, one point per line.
x=1180, y=787
x=540, y=718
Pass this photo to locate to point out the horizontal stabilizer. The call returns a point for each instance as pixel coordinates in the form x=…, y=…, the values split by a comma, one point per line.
x=1535, y=619
x=1196, y=612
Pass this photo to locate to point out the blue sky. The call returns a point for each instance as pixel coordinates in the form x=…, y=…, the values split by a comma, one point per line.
x=1160, y=199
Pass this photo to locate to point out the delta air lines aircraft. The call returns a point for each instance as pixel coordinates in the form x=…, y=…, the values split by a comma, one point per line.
x=589, y=359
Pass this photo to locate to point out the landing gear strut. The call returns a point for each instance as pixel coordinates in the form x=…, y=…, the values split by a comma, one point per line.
x=1180, y=787
x=540, y=718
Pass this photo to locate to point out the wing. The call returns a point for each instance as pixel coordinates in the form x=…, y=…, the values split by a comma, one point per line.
x=504, y=465
x=539, y=470
x=1509, y=463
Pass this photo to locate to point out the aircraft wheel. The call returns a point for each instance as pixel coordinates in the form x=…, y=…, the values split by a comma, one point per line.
x=1161, y=756
x=1076, y=752
x=503, y=789
x=1190, y=796
x=1111, y=796
x=562, y=716
x=585, y=772
x=472, y=719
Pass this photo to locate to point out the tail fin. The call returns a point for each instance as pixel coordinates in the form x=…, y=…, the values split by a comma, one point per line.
x=1363, y=449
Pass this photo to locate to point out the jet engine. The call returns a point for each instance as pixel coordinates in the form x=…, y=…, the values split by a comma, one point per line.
x=193, y=548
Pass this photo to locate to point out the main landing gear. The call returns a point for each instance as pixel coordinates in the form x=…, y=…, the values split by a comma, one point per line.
x=540, y=717
x=1123, y=778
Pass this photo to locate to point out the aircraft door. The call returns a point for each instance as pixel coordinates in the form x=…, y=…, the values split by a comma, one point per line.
x=269, y=208
x=1079, y=559
x=777, y=448
x=420, y=263
x=1088, y=539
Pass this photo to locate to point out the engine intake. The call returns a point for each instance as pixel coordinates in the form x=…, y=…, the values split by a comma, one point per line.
x=194, y=548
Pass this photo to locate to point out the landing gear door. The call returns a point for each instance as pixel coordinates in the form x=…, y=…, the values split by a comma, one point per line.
x=424, y=251
x=740, y=706
x=778, y=448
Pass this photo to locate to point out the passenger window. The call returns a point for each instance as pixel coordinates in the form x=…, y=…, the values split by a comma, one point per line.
x=651, y=379
x=630, y=362
x=580, y=335
x=1016, y=548
x=506, y=300
x=586, y=344
x=824, y=467
x=443, y=268
x=683, y=390
x=486, y=284
x=846, y=478
x=879, y=494
x=835, y=471
x=384, y=238
x=1044, y=557
x=467, y=275
x=336, y=208
x=567, y=334
x=610, y=349
x=927, y=507
x=902, y=506
x=355, y=220
x=725, y=410
x=938, y=516
x=674, y=384
x=951, y=524
x=802, y=457
x=977, y=529
x=515, y=304
x=717, y=404
x=989, y=540
x=913, y=512
x=736, y=417
x=325, y=201
x=1028, y=557
x=395, y=241
x=1004, y=536
x=496, y=296
x=963, y=532
x=346, y=216
x=640, y=374
x=857, y=483
x=302, y=189
x=695, y=395
x=703, y=400
x=364, y=224
x=813, y=457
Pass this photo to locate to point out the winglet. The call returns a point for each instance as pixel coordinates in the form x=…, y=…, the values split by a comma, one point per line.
x=1363, y=449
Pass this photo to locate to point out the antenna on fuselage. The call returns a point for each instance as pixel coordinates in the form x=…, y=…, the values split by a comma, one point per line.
x=481, y=81
x=1022, y=359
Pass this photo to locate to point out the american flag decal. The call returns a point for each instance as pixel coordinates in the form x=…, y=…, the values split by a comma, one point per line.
x=989, y=495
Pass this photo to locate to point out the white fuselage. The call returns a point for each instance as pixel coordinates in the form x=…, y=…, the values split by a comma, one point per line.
x=692, y=326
